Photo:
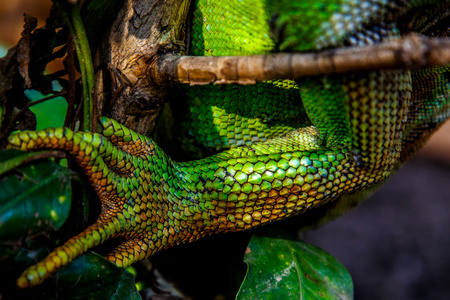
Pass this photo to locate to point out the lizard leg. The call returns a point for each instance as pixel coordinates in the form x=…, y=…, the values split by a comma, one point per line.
x=163, y=203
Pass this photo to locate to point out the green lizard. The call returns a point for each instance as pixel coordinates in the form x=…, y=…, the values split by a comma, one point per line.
x=293, y=145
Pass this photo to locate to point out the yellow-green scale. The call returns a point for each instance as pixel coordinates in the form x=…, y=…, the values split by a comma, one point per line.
x=221, y=117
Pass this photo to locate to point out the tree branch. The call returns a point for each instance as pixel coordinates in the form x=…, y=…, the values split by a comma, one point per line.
x=412, y=51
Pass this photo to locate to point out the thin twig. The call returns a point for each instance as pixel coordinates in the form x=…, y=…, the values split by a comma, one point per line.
x=69, y=63
x=21, y=111
x=46, y=154
x=412, y=51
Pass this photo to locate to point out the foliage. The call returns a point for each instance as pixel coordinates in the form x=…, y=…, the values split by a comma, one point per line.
x=35, y=198
x=280, y=268
x=114, y=282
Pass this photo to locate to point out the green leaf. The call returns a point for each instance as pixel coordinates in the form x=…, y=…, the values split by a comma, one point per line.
x=34, y=198
x=284, y=269
x=92, y=277
x=50, y=113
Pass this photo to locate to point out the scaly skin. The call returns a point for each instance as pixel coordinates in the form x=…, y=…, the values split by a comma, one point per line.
x=293, y=146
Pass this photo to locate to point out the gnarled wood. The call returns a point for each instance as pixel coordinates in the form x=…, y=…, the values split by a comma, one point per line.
x=142, y=30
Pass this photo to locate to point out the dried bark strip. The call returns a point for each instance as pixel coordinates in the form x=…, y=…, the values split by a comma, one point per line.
x=23, y=51
x=412, y=51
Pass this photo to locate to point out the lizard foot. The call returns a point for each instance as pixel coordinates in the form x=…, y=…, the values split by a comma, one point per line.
x=113, y=162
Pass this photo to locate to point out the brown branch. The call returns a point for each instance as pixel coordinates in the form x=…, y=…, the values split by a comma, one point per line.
x=412, y=51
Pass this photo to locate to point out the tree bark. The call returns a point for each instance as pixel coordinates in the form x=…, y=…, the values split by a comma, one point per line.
x=142, y=31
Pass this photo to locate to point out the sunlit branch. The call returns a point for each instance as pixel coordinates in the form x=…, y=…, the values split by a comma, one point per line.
x=412, y=51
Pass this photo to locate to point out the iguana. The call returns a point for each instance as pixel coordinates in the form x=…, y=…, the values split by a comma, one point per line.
x=281, y=148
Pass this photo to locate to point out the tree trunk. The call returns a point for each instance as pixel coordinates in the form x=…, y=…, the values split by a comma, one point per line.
x=142, y=31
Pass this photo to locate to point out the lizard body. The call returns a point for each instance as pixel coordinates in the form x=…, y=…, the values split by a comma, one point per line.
x=293, y=146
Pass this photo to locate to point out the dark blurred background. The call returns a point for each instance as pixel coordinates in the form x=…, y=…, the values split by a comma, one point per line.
x=396, y=244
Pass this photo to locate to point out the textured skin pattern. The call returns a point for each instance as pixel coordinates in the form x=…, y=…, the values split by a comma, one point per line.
x=234, y=118
x=293, y=146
